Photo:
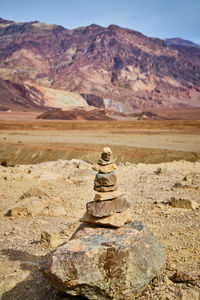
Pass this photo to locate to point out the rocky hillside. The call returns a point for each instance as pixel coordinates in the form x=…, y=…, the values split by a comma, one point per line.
x=24, y=96
x=178, y=41
x=121, y=69
x=15, y=96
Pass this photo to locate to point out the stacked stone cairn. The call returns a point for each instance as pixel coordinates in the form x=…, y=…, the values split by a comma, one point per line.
x=109, y=208
x=106, y=258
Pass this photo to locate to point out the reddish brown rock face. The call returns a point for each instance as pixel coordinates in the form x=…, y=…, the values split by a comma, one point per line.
x=124, y=66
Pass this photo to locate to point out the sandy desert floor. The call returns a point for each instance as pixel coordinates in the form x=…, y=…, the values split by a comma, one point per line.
x=69, y=184
x=152, y=169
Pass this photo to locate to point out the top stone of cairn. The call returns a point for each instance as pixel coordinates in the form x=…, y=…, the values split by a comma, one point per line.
x=105, y=164
x=107, y=150
x=106, y=154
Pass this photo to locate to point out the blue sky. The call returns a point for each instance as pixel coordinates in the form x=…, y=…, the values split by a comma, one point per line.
x=156, y=18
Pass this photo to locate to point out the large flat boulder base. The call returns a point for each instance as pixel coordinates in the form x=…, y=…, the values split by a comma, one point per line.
x=102, y=263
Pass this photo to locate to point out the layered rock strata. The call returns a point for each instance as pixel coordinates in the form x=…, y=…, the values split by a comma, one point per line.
x=108, y=207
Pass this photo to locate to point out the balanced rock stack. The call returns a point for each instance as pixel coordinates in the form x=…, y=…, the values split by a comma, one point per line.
x=109, y=208
x=106, y=258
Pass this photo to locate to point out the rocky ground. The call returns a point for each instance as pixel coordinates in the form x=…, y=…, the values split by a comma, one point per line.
x=41, y=205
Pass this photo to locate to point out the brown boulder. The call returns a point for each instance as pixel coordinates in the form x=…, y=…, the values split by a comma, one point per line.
x=36, y=206
x=50, y=239
x=107, y=208
x=184, y=203
x=184, y=276
x=116, y=220
x=28, y=207
x=101, y=263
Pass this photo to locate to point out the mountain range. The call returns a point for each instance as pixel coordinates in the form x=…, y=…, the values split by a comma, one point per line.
x=45, y=66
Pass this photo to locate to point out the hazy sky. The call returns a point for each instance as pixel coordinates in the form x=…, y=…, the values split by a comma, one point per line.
x=156, y=18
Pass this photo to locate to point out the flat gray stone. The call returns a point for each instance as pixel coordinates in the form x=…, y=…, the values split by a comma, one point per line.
x=105, y=179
